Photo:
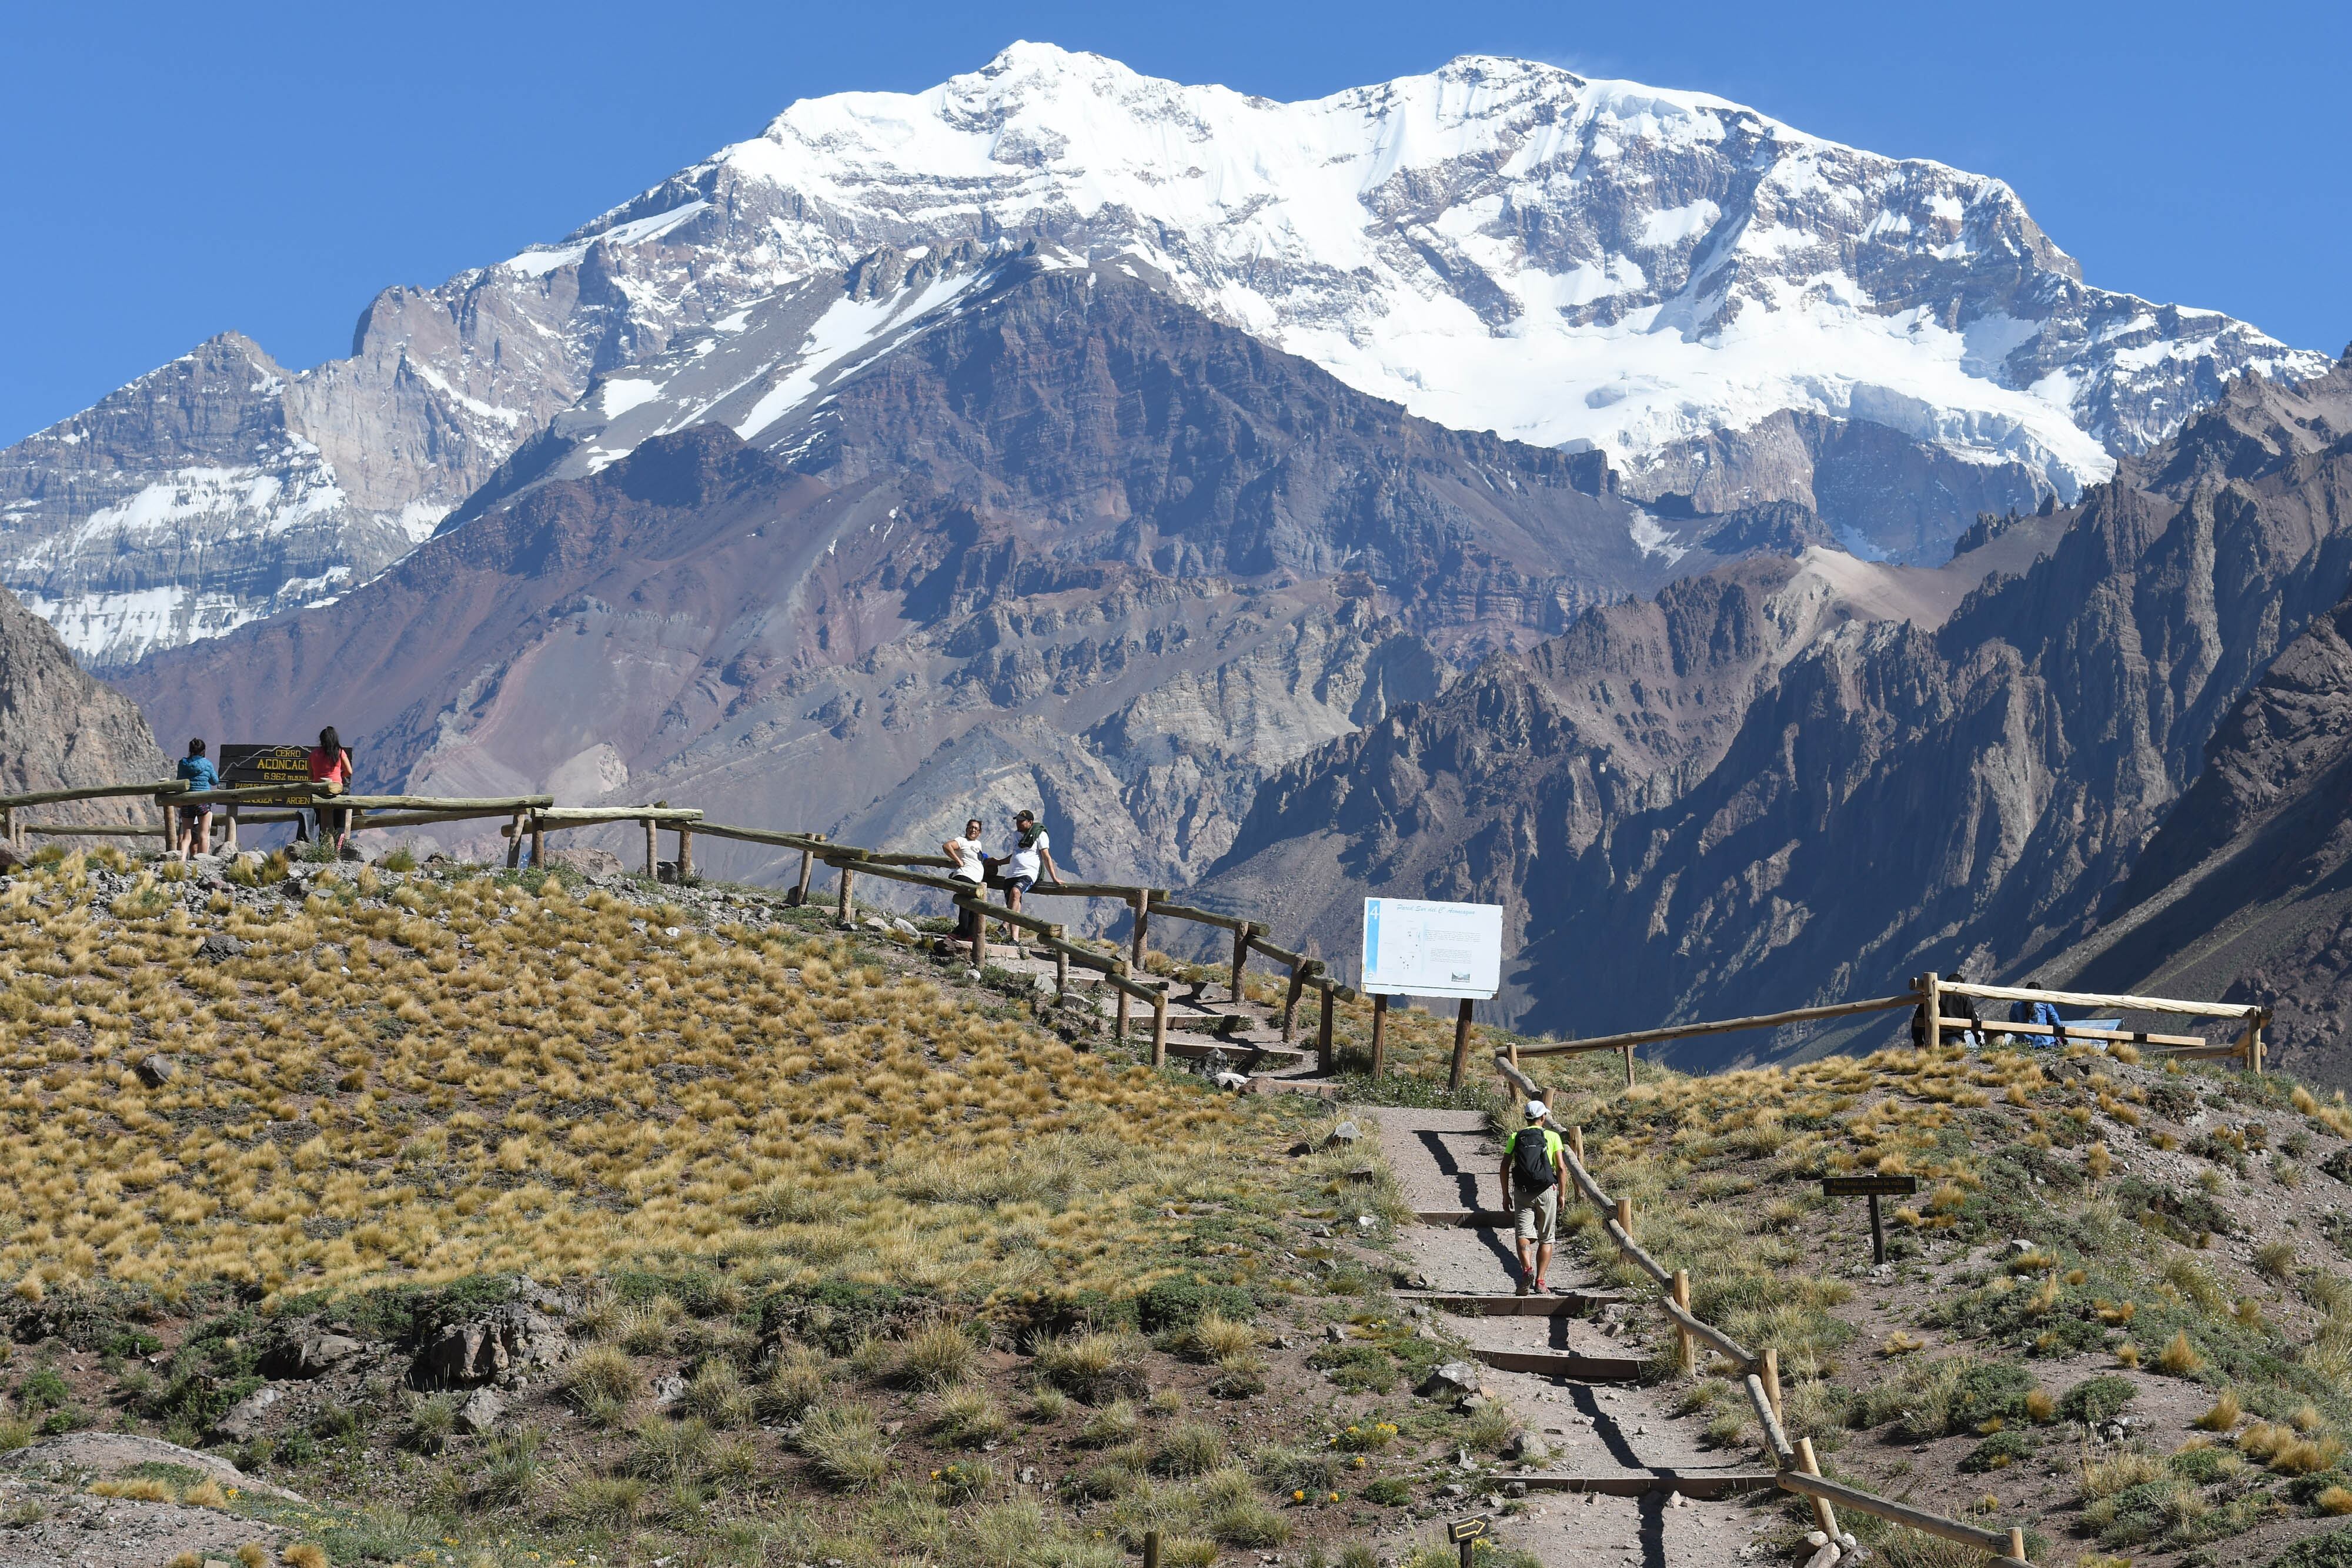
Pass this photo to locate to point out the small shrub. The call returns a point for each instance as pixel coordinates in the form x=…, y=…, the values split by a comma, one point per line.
x=1997, y=1452
x=610, y=1502
x=1389, y=1492
x=1114, y=1424
x=1189, y=1449
x=716, y=1394
x=938, y=1356
x=603, y=1372
x=2098, y=1399
x=794, y=1383
x=965, y=1481
x=305, y=1554
x=970, y=1416
x=2180, y=1358
x=431, y=1423
x=2224, y=1414
x=846, y=1446
x=1093, y=1365
x=1216, y=1337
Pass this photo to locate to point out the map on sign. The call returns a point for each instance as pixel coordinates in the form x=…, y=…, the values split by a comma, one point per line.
x=1416, y=947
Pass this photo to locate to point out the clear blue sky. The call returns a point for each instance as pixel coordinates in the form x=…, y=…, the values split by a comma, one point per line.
x=174, y=170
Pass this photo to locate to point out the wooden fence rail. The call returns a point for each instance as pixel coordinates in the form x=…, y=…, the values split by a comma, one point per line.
x=1759, y=1375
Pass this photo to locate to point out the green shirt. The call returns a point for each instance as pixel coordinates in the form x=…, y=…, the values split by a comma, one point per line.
x=1553, y=1147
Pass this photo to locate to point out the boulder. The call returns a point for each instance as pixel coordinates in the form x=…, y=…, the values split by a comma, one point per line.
x=1451, y=1380
x=668, y=1391
x=220, y=944
x=502, y=1344
x=78, y=1457
x=243, y=1422
x=480, y=1411
x=310, y=1356
x=588, y=860
x=1345, y=1134
x=155, y=1070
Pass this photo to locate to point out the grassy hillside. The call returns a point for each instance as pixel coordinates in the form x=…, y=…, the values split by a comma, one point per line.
x=797, y=1245
x=833, y=1243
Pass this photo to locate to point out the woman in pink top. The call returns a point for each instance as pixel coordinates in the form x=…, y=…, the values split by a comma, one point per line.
x=331, y=764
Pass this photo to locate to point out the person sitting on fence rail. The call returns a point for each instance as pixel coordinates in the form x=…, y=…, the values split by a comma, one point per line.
x=194, y=835
x=1535, y=1184
x=971, y=866
x=331, y=774
x=1032, y=855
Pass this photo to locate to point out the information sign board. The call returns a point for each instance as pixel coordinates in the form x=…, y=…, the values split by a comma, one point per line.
x=1418, y=947
x=249, y=766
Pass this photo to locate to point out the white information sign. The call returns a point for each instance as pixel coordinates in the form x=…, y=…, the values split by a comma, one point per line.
x=1416, y=947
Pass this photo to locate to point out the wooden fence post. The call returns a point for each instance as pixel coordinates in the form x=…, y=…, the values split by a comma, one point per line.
x=808, y=870
x=1118, y=1027
x=1626, y=1217
x=514, y=843
x=1772, y=1382
x=538, y=843
x=845, y=909
x=230, y=849
x=1461, y=1045
x=1159, y=1027
x=8, y=825
x=1061, y=965
x=2250, y=1045
x=1576, y=1143
x=1241, y=956
x=1380, y=1035
x=1823, y=1514
x=978, y=930
x=1290, y=997
x=1323, y=1052
x=1931, y=999
x=685, y=854
x=2017, y=1544
x=653, y=850
x=171, y=837
x=1150, y=1548
x=1142, y=904
x=1686, y=1348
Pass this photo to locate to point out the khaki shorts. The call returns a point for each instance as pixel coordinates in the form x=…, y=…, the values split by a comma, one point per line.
x=1537, y=1214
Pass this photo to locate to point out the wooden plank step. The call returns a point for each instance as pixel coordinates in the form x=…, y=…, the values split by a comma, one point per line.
x=1245, y=1057
x=1566, y=1363
x=1465, y=1218
x=1559, y=1305
x=1703, y=1485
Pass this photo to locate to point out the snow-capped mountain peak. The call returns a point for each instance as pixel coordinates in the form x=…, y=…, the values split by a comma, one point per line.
x=1729, y=307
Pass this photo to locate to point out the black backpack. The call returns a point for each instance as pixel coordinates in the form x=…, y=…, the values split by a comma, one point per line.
x=1531, y=1160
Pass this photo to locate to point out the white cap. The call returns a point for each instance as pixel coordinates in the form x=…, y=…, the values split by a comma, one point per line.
x=1538, y=1110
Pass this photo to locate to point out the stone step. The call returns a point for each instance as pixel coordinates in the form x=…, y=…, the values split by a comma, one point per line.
x=1703, y=1485
x=1559, y=1305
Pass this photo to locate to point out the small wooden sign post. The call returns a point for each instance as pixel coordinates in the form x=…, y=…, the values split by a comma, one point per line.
x=1467, y=1533
x=1873, y=1187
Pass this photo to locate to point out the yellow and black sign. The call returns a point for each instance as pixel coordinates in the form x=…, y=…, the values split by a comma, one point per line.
x=250, y=766
x=1468, y=1529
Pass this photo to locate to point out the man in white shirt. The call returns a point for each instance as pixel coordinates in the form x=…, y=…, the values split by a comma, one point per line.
x=1032, y=857
x=971, y=866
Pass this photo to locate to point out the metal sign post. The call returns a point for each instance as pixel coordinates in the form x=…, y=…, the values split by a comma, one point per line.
x=1873, y=1187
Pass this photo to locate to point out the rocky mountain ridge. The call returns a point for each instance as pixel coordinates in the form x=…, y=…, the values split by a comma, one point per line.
x=1736, y=313
x=1070, y=545
x=1902, y=793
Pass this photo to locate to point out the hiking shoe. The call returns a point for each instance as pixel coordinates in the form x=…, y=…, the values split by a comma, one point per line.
x=1524, y=1286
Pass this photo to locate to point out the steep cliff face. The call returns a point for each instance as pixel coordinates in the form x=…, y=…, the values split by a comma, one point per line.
x=1066, y=544
x=1900, y=794
x=60, y=727
x=2245, y=892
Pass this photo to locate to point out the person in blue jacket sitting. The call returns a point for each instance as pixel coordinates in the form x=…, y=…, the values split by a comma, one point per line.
x=2041, y=1012
x=195, y=835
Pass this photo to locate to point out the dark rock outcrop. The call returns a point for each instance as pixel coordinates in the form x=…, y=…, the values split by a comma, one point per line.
x=60, y=727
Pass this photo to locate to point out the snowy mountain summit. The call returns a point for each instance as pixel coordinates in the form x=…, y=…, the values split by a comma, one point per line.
x=1733, y=310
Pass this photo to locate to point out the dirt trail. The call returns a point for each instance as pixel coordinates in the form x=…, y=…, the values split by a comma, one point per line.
x=1445, y=1162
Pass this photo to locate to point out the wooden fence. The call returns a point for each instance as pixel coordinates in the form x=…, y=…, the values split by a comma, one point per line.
x=1759, y=1373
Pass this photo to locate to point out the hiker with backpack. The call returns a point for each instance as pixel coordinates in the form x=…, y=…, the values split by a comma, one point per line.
x=1535, y=1184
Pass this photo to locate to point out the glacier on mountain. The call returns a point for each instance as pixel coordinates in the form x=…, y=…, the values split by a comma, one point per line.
x=1496, y=244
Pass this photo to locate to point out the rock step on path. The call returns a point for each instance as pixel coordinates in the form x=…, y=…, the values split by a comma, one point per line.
x=1625, y=1481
